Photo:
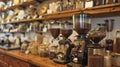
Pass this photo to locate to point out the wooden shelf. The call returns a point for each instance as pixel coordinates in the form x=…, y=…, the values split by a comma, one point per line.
x=25, y=20
x=22, y=32
x=18, y=5
x=97, y=11
x=104, y=10
x=3, y=0
x=62, y=14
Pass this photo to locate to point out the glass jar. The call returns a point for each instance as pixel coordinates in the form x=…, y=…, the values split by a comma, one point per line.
x=82, y=23
x=89, y=3
x=42, y=50
x=109, y=25
x=66, y=29
x=97, y=2
x=97, y=34
x=79, y=4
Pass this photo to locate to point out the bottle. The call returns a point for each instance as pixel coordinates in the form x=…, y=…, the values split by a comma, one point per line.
x=74, y=4
x=98, y=2
x=68, y=5
x=103, y=2
x=117, y=45
x=109, y=43
x=107, y=59
x=61, y=5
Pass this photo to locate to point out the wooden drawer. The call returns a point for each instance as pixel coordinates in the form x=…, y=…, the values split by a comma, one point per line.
x=2, y=57
x=24, y=64
x=3, y=64
x=13, y=62
x=8, y=59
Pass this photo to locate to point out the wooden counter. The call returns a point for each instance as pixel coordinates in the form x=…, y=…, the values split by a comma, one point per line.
x=32, y=59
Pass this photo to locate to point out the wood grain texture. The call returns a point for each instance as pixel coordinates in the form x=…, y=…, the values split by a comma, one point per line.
x=33, y=59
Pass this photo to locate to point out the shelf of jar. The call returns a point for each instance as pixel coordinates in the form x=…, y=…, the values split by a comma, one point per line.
x=62, y=14
x=18, y=5
x=103, y=11
x=57, y=15
x=107, y=10
x=24, y=20
x=24, y=32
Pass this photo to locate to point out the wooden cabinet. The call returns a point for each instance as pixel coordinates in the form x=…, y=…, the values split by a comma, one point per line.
x=24, y=64
x=13, y=58
x=1, y=57
x=8, y=61
x=3, y=64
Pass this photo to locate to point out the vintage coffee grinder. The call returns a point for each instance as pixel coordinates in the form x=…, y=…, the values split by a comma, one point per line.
x=82, y=24
x=54, y=29
x=96, y=51
x=65, y=44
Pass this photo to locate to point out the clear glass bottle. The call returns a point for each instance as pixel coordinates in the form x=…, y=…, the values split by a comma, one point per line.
x=107, y=59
